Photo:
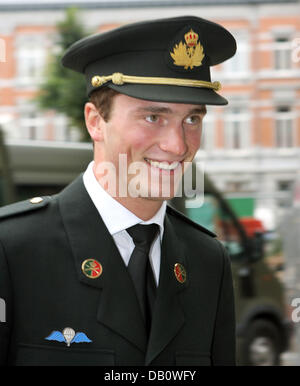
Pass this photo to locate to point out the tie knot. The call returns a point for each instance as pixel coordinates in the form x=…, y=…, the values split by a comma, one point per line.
x=143, y=235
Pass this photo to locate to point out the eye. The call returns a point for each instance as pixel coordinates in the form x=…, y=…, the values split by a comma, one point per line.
x=152, y=118
x=193, y=120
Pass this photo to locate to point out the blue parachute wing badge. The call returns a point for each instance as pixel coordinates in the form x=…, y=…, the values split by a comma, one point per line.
x=56, y=335
x=80, y=337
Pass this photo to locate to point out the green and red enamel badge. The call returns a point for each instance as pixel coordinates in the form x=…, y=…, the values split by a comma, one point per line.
x=91, y=268
x=180, y=273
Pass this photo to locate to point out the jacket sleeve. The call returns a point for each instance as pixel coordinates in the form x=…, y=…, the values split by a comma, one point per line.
x=5, y=307
x=224, y=343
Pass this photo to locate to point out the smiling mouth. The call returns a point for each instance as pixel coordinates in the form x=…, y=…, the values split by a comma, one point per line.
x=164, y=165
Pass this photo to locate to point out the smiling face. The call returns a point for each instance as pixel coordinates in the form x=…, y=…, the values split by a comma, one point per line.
x=156, y=137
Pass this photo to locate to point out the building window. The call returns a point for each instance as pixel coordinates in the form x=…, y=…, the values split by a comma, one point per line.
x=62, y=131
x=32, y=126
x=285, y=186
x=283, y=127
x=31, y=56
x=236, y=133
x=29, y=125
x=282, y=53
x=238, y=65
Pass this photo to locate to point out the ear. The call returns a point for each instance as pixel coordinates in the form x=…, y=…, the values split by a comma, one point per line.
x=94, y=122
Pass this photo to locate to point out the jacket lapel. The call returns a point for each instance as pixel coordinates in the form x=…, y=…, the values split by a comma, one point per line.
x=90, y=239
x=168, y=316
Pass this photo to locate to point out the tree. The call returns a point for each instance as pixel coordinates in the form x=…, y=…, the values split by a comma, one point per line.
x=64, y=90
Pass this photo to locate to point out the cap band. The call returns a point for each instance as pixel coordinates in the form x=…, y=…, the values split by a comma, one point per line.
x=119, y=79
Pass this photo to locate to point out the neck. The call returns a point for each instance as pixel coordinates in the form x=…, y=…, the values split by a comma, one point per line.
x=144, y=208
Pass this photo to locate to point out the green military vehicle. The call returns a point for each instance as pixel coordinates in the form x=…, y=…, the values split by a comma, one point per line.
x=263, y=326
x=41, y=168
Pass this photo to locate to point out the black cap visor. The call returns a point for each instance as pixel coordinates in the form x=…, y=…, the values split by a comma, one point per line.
x=170, y=94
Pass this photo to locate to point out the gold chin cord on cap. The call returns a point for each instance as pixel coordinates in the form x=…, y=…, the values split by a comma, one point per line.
x=119, y=79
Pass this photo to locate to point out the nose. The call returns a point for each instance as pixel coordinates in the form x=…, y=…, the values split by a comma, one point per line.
x=173, y=141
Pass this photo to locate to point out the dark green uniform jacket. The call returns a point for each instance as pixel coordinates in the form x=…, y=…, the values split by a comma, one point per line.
x=42, y=248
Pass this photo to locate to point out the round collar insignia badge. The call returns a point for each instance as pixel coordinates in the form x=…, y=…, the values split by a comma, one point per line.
x=180, y=273
x=92, y=268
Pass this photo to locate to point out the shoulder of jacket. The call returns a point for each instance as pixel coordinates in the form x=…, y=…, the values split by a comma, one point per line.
x=185, y=219
x=23, y=207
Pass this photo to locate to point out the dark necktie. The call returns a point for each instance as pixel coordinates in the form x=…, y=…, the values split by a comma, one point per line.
x=140, y=269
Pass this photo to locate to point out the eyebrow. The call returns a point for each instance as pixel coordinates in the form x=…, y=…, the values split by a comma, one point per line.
x=158, y=110
x=199, y=110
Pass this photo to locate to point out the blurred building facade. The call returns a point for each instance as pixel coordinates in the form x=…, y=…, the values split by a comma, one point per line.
x=251, y=148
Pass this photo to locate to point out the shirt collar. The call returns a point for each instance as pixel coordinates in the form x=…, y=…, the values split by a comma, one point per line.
x=114, y=215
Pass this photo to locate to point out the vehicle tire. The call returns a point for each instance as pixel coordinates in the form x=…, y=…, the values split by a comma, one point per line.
x=261, y=344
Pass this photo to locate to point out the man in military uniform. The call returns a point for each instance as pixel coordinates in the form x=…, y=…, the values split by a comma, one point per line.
x=103, y=276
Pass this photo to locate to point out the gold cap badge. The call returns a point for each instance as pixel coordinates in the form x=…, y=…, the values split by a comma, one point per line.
x=92, y=268
x=180, y=273
x=189, y=54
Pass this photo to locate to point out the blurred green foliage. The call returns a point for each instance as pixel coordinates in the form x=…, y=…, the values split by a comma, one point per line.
x=64, y=90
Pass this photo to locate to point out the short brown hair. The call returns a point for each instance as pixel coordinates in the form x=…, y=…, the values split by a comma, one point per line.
x=103, y=99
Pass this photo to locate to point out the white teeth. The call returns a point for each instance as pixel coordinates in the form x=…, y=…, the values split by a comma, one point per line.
x=163, y=165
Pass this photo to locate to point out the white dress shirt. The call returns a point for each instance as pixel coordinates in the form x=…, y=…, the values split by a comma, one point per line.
x=117, y=219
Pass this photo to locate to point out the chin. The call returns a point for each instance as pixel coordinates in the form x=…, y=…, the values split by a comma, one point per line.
x=158, y=193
